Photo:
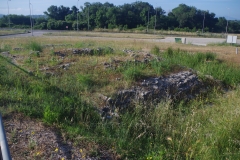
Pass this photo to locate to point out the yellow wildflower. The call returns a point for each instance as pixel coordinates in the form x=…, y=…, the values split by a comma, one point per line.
x=56, y=150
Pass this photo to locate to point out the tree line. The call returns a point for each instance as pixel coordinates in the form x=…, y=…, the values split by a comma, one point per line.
x=140, y=15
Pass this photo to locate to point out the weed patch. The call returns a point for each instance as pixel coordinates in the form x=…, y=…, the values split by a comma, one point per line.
x=34, y=46
x=155, y=50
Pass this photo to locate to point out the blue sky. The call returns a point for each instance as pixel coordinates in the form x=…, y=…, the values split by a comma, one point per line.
x=227, y=8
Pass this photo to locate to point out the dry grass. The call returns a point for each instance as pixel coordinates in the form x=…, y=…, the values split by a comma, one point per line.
x=227, y=53
x=107, y=34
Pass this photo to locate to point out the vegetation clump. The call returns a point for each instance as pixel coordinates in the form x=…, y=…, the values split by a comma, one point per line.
x=34, y=46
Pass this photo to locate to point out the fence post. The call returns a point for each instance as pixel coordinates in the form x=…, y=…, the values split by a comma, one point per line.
x=236, y=50
x=3, y=142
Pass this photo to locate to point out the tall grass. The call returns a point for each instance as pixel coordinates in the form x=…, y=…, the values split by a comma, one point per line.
x=204, y=63
x=34, y=46
x=206, y=128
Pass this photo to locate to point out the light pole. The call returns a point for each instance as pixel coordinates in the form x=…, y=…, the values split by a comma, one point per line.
x=148, y=20
x=30, y=17
x=77, y=15
x=203, y=22
x=227, y=25
x=227, y=28
x=88, y=17
x=8, y=15
x=155, y=21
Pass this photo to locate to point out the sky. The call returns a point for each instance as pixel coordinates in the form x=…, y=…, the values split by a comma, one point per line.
x=230, y=9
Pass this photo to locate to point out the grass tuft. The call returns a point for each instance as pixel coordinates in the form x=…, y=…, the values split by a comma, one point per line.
x=155, y=50
x=34, y=46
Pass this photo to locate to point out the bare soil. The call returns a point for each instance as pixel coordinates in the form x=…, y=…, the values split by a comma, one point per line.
x=32, y=139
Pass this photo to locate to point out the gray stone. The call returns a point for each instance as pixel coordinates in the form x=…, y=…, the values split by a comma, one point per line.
x=184, y=85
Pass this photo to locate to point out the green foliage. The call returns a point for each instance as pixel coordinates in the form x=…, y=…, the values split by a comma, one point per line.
x=86, y=81
x=132, y=73
x=127, y=16
x=169, y=52
x=34, y=46
x=199, y=61
x=5, y=47
x=155, y=50
x=103, y=51
x=210, y=56
x=50, y=116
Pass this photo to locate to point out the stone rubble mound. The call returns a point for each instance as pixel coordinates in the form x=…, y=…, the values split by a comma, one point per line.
x=83, y=51
x=184, y=85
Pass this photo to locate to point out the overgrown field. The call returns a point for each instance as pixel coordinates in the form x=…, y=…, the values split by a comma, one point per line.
x=59, y=80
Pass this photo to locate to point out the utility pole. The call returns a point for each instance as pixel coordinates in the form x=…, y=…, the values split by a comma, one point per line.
x=155, y=21
x=77, y=15
x=32, y=20
x=8, y=15
x=203, y=23
x=88, y=18
x=227, y=26
x=148, y=20
x=30, y=17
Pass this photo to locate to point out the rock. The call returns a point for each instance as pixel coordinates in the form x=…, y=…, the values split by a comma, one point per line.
x=184, y=85
x=18, y=49
x=83, y=51
x=102, y=97
x=59, y=54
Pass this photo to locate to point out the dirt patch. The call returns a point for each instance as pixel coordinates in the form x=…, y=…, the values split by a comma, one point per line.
x=31, y=139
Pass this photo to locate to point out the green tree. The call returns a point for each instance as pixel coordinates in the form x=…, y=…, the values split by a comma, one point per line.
x=57, y=13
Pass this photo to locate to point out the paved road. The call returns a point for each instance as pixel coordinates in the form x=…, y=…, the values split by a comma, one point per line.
x=189, y=40
x=36, y=33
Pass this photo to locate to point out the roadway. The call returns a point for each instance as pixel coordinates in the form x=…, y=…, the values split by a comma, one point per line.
x=168, y=39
